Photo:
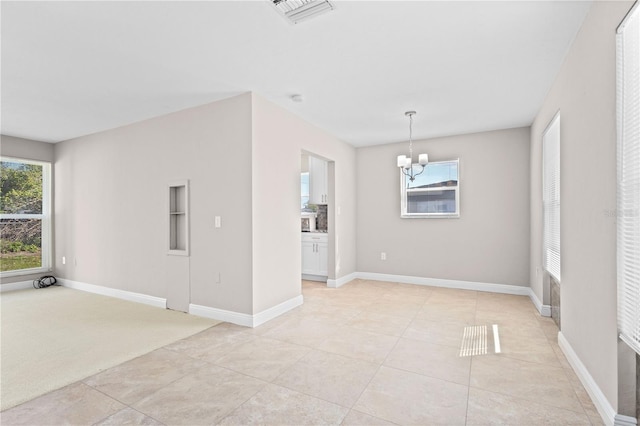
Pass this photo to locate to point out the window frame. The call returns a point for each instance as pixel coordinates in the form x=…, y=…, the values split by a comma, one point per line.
x=45, y=218
x=404, y=191
x=628, y=178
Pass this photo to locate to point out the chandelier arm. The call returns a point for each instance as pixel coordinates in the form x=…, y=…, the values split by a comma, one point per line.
x=420, y=172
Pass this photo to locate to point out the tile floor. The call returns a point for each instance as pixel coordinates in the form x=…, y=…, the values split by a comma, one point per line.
x=369, y=353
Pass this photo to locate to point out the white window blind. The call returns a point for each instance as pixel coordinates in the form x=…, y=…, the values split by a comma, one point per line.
x=628, y=214
x=551, y=196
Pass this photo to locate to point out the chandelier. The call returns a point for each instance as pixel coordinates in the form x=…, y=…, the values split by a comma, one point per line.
x=406, y=163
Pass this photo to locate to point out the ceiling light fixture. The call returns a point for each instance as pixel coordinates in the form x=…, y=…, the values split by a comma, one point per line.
x=299, y=10
x=406, y=163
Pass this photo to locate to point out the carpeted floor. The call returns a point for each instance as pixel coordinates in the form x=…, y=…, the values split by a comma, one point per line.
x=55, y=336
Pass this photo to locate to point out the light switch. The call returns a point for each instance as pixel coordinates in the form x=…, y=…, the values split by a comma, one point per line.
x=217, y=222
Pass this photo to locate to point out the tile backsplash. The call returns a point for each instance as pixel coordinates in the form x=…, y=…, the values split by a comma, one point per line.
x=322, y=221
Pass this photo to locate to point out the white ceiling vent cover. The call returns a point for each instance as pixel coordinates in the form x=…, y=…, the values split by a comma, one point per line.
x=299, y=10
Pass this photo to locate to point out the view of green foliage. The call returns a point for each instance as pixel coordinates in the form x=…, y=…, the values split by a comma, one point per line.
x=20, y=193
x=20, y=188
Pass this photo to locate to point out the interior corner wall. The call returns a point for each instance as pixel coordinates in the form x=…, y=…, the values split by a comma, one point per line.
x=111, y=204
x=29, y=150
x=489, y=243
x=584, y=92
x=279, y=137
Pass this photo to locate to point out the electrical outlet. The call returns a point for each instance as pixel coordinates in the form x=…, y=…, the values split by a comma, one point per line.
x=64, y=260
x=383, y=256
x=217, y=222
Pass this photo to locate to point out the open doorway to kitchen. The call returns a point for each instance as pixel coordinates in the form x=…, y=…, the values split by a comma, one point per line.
x=316, y=217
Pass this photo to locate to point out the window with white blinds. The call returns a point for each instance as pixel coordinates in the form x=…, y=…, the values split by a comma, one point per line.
x=551, y=196
x=628, y=212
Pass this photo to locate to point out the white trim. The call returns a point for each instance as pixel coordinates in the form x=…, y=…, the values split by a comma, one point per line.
x=221, y=315
x=620, y=420
x=605, y=409
x=311, y=277
x=275, y=311
x=544, y=310
x=339, y=282
x=114, y=292
x=438, y=282
x=246, y=320
x=22, y=285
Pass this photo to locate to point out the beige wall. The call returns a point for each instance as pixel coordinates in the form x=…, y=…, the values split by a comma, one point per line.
x=110, y=210
x=242, y=156
x=489, y=242
x=279, y=137
x=29, y=150
x=585, y=94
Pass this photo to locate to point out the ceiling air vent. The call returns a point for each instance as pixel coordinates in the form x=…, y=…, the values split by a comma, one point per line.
x=299, y=10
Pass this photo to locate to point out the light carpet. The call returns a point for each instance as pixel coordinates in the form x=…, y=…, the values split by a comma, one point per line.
x=56, y=336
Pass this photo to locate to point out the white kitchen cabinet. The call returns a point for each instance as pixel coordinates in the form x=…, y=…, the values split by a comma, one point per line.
x=318, y=185
x=315, y=250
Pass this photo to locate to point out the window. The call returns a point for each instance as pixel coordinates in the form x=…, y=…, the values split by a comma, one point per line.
x=628, y=212
x=25, y=216
x=304, y=189
x=551, y=197
x=433, y=193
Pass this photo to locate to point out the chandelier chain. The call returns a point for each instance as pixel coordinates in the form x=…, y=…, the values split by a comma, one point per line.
x=411, y=137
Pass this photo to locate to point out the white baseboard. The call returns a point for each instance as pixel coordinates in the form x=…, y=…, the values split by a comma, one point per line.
x=545, y=310
x=339, y=282
x=245, y=320
x=605, y=409
x=437, y=282
x=113, y=292
x=319, y=278
x=275, y=311
x=22, y=285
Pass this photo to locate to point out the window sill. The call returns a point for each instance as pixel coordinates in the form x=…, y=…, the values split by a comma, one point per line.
x=431, y=216
x=22, y=272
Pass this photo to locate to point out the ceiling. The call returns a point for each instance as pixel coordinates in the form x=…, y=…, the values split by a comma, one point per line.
x=75, y=68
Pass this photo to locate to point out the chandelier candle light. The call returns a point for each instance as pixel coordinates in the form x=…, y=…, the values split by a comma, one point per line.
x=406, y=163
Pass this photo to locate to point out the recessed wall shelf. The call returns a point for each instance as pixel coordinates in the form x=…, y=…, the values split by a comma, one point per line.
x=178, y=207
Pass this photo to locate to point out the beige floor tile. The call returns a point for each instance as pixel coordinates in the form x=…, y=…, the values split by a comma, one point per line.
x=396, y=308
x=356, y=418
x=450, y=312
x=131, y=381
x=451, y=295
x=438, y=361
x=408, y=398
x=489, y=408
x=275, y=405
x=511, y=320
x=526, y=380
x=364, y=345
x=262, y=358
x=504, y=303
x=212, y=343
x=330, y=313
x=302, y=331
x=203, y=397
x=441, y=333
x=73, y=404
x=526, y=347
x=331, y=377
x=379, y=323
x=128, y=416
